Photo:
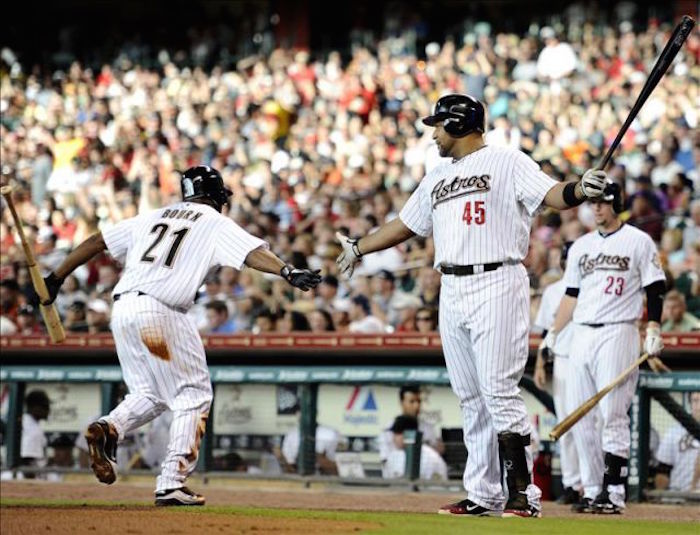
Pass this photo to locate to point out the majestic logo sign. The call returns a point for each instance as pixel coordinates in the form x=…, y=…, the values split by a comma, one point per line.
x=588, y=265
x=361, y=407
x=459, y=187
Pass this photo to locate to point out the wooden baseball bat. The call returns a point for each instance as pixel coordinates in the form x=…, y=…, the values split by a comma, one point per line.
x=674, y=44
x=568, y=422
x=48, y=313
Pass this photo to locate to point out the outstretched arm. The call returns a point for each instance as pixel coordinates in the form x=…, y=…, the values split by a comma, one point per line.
x=267, y=261
x=569, y=194
x=386, y=236
x=93, y=245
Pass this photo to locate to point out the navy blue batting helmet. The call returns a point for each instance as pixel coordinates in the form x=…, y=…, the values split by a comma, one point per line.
x=460, y=115
x=202, y=182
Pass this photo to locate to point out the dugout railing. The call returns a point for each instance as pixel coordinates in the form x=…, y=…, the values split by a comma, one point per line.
x=323, y=360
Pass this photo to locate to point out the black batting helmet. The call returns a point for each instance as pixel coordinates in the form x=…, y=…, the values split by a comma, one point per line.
x=204, y=182
x=460, y=114
x=612, y=194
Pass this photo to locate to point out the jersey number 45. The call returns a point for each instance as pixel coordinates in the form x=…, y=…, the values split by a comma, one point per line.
x=475, y=213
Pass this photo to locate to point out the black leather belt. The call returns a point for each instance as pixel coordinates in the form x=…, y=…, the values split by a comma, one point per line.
x=595, y=325
x=117, y=297
x=461, y=271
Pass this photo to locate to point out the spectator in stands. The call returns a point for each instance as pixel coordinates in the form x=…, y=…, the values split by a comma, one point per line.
x=69, y=293
x=432, y=465
x=9, y=300
x=406, y=306
x=264, y=321
x=429, y=286
x=27, y=321
x=218, y=321
x=678, y=455
x=327, y=293
x=361, y=318
x=645, y=216
x=33, y=443
x=321, y=321
x=384, y=297
x=675, y=317
x=426, y=320
x=76, y=318
x=557, y=59
x=97, y=317
x=293, y=321
x=334, y=144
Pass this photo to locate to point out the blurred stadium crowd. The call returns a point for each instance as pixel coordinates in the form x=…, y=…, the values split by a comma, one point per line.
x=311, y=144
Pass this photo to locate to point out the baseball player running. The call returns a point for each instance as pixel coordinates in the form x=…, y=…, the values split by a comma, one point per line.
x=166, y=255
x=606, y=273
x=552, y=296
x=479, y=207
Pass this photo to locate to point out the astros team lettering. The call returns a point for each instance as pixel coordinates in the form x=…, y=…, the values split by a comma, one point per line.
x=603, y=262
x=459, y=187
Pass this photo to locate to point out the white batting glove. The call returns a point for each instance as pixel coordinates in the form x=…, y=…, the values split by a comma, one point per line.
x=653, y=343
x=593, y=183
x=349, y=257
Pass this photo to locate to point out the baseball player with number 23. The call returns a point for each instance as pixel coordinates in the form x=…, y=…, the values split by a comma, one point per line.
x=479, y=208
x=167, y=253
x=607, y=273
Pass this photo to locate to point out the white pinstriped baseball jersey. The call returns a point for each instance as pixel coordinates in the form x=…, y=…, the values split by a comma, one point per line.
x=168, y=252
x=551, y=297
x=611, y=272
x=680, y=450
x=480, y=207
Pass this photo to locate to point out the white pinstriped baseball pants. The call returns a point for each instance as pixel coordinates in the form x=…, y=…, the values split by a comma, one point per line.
x=568, y=455
x=597, y=357
x=484, y=325
x=164, y=367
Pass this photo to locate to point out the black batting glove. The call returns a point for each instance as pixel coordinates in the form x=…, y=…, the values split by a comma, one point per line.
x=304, y=279
x=53, y=285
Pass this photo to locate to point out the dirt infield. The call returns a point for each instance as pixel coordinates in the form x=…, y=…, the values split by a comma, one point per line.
x=70, y=521
x=143, y=518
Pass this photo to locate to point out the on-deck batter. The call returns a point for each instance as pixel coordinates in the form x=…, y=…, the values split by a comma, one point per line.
x=166, y=255
x=551, y=297
x=479, y=209
x=606, y=273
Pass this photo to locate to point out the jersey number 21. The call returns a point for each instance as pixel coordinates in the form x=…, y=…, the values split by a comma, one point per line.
x=162, y=230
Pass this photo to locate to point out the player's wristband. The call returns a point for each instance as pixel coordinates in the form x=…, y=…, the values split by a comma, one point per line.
x=569, y=195
x=356, y=248
x=286, y=272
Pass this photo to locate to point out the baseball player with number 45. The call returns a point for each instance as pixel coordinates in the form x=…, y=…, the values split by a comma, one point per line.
x=607, y=273
x=479, y=208
x=167, y=253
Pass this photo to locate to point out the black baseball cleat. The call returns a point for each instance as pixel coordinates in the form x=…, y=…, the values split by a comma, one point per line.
x=569, y=496
x=603, y=505
x=102, y=447
x=467, y=508
x=178, y=497
x=583, y=505
x=518, y=506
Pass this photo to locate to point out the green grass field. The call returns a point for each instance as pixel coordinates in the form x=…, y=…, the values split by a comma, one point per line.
x=391, y=523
